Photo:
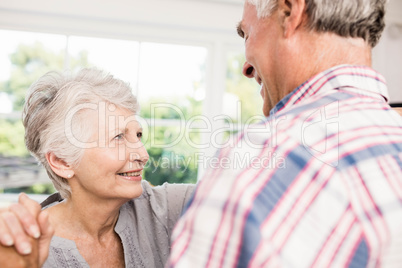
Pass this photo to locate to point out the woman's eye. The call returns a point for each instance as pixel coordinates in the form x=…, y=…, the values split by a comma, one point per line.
x=119, y=137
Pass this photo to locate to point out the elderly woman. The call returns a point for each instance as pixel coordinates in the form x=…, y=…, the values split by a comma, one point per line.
x=84, y=131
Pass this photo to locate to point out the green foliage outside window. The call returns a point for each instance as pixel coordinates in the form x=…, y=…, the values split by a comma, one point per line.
x=29, y=62
x=175, y=162
x=12, y=138
x=246, y=89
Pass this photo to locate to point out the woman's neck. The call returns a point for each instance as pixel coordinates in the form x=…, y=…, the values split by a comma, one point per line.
x=85, y=216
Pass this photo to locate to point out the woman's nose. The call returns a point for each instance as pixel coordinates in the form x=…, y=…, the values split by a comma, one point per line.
x=248, y=70
x=139, y=153
x=144, y=156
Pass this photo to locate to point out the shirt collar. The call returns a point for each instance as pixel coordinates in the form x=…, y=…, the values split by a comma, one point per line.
x=359, y=79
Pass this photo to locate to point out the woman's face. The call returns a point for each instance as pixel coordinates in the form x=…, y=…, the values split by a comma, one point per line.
x=112, y=163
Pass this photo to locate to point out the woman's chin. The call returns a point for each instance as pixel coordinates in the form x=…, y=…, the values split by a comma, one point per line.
x=133, y=192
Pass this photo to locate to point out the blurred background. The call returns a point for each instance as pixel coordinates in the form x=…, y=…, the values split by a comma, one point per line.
x=183, y=60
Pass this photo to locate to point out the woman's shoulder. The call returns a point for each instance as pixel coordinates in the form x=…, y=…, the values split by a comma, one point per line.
x=163, y=201
x=167, y=188
x=167, y=193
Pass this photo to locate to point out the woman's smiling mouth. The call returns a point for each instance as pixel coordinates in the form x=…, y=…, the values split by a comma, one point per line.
x=131, y=175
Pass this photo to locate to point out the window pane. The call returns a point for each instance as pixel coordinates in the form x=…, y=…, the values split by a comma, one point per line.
x=242, y=100
x=119, y=57
x=172, y=74
x=171, y=91
x=172, y=158
x=24, y=57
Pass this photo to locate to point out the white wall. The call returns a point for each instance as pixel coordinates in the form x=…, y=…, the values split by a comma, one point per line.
x=387, y=59
x=387, y=55
x=181, y=20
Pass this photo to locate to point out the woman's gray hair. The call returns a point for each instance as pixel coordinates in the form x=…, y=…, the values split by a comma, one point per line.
x=347, y=18
x=54, y=112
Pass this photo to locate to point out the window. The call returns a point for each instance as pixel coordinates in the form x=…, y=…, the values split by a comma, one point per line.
x=242, y=100
x=171, y=91
x=242, y=103
x=119, y=57
x=24, y=57
x=168, y=79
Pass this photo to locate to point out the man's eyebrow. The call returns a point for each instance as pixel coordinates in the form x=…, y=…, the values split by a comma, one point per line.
x=240, y=30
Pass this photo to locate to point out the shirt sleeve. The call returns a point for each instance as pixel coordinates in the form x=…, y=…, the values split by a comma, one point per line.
x=210, y=232
x=178, y=195
x=205, y=236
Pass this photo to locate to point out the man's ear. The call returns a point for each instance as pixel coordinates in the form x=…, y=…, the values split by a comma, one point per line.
x=293, y=12
x=59, y=166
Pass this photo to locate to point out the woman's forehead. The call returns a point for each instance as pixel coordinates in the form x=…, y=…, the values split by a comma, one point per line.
x=119, y=117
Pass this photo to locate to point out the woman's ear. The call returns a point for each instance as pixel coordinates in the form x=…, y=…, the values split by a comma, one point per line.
x=59, y=166
x=293, y=15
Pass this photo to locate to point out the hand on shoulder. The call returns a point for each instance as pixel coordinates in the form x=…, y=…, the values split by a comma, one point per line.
x=25, y=234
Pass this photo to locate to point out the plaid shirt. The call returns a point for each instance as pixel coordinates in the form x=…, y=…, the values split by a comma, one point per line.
x=317, y=184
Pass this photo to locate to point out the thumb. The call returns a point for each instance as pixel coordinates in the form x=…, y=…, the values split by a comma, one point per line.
x=31, y=205
x=47, y=232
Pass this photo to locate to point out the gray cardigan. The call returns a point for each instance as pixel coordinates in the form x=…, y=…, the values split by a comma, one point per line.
x=144, y=225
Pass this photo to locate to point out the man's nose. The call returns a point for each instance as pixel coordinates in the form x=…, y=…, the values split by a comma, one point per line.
x=248, y=70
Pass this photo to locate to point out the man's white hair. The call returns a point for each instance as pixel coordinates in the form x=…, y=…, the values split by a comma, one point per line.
x=347, y=18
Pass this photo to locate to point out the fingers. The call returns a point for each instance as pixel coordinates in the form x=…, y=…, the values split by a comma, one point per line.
x=31, y=205
x=26, y=219
x=19, y=221
x=5, y=236
x=17, y=218
x=21, y=239
x=32, y=260
x=47, y=233
x=46, y=228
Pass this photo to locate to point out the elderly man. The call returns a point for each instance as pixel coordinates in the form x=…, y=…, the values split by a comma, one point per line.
x=324, y=184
